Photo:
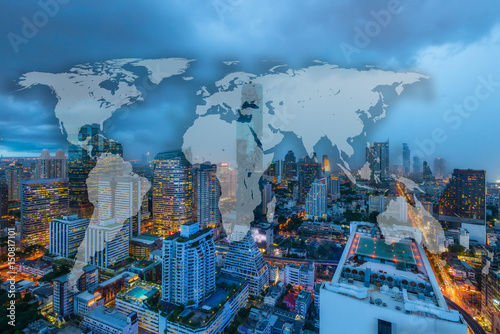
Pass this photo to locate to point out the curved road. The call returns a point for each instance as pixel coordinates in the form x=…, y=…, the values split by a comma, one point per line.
x=473, y=324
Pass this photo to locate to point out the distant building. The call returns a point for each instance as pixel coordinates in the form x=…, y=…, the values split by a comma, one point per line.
x=188, y=265
x=244, y=260
x=416, y=165
x=207, y=192
x=463, y=202
x=107, y=243
x=51, y=167
x=333, y=183
x=290, y=165
x=66, y=235
x=308, y=170
x=389, y=284
x=42, y=202
x=406, y=158
x=104, y=320
x=316, y=201
x=439, y=168
x=377, y=155
x=427, y=173
x=13, y=176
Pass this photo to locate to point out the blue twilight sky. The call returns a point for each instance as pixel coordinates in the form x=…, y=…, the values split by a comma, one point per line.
x=456, y=43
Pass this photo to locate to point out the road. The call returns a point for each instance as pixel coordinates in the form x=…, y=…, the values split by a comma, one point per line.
x=291, y=260
x=473, y=324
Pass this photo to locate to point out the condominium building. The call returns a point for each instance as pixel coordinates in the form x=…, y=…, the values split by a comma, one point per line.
x=66, y=235
x=42, y=201
x=299, y=276
x=172, y=193
x=106, y=243
x=388, y=285
x=107, y=320
x=244, y=260
x=51, y=167
x=188, y=265
x=142, y=298
x=210, y=317
x=13, y=177
x=316, y=201
x=64, y=291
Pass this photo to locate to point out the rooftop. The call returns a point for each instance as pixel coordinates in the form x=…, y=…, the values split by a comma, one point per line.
x=109, y=316
x=145, y=238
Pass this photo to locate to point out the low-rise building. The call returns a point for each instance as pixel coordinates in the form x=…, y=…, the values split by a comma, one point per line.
x=274, y=293
x=299, y=276
x=303, y=302
x=36, y=268
x=142, y=245
x=103, y=320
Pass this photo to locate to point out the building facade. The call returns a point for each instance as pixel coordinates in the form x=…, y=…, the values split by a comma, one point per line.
x=66, y=235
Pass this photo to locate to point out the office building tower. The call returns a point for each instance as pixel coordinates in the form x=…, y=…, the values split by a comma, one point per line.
x=106, y=243
x=121, y=198
x=107, y=320
x=406, y=158
x=439, y=168
x=267, y=196
x=188, y=265
x=316, y=201
x=42, y=201
x=13, y=175
x=172, y=193
x=377, y=155
x=244, y=260
x=51, y=167
x=66, y=234
x=308, y=170
x=416, y=165
x=463, y=202
x=333, y=184
x=326, y=164
x=290, y=165
x=207, y=193
x=388, y=285
x=427, y=173
x=83, y=158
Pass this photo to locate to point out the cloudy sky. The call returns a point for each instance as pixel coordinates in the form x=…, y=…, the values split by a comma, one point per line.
x=457, y=44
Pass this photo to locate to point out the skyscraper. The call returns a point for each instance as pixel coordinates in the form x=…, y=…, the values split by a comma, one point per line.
x=106, y=243
x=41, y=202
x=463, y=202
x=308, y=170
x=4, y=195
x=326, y=164
x=416, y=165
x=316, y=200
x=51, y=167
x=290, y=165
x=172, y=192
x=66, y=234
x=427, y=173
x=244, y=260
x=377, y=155
x=406, y=158
x=188, y=265
x=267, y=195
x=121, y=198
x=206, y=196
x=13, y=176
x=439, y=168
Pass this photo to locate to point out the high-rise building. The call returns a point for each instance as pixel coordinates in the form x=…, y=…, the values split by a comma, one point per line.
x=188, y=265
x=326, y=164
x=290, y=165
x=406, y=158
x=316, y=200
x=207, y=193
x=439, y=168
x=81, y=161
x=388, y=285
x=106, y=243
x=244, y=260
x=51, y=167
x=427, y=173
x=308, y=170
x=4, y=196
x=267, y=195
x=333, y=183
x=121, y=198
x=303, y=277
x=66, y=235
x=63, y=295
x=14, y=175
x=416, y=165
x=42, y=201
x=172, y=193
x=463, y=202
x=377, y=155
